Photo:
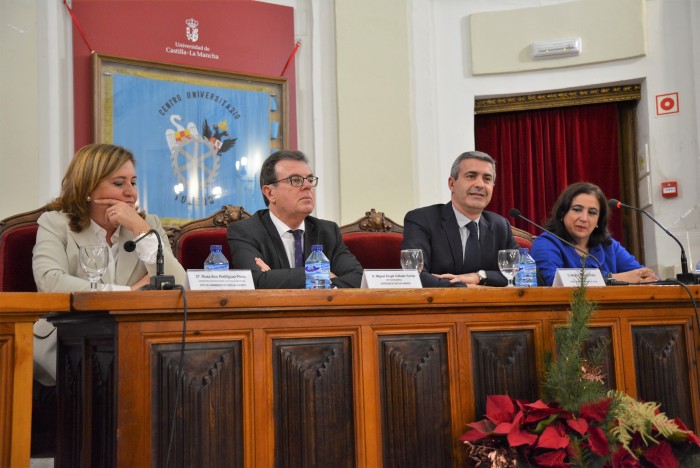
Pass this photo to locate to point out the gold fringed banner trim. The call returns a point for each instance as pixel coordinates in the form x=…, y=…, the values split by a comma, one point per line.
x=558, y=99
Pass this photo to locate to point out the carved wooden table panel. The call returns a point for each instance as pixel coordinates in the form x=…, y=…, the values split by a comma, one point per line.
x=18, y=312
x=343, y=377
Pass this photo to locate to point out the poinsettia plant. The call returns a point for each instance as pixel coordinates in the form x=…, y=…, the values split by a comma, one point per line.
x=584, y=424
x=635, y=434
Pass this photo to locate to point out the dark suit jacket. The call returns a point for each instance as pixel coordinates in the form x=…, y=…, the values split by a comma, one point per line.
x=257, y=236
x=434, y=230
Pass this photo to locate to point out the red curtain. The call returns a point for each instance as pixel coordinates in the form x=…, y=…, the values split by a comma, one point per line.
x=539, y=152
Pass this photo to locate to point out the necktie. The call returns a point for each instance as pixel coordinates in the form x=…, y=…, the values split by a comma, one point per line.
x=472, y=250
x=298, y=248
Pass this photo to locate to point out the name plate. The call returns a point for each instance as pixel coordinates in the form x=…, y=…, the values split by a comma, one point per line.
x=572, y=277
x=220, y=279
x=372, y=279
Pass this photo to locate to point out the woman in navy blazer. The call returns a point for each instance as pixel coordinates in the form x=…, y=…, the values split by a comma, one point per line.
x=580, y=216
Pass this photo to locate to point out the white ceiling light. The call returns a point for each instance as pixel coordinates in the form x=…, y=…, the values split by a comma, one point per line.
x=556, y=49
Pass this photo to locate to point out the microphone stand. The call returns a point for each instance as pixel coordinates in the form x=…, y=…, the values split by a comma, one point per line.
x=685, y=277
x=515, y=213
x=160, y=280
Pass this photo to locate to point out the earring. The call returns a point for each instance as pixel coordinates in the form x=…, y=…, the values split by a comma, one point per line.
x=88, y=199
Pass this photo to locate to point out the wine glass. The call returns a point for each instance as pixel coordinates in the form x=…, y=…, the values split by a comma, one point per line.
x=508, y=261
x=94, y=260
x=412, y=259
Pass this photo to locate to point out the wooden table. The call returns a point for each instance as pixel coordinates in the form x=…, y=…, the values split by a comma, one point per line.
x=337, y=378
x=18, y=312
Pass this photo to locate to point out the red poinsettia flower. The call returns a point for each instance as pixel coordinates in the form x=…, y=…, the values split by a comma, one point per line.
x=500, y=408
x=623, y=459
x=518, y=436
x=595, y=411
x=691, y=435
x=479, y=430
x=553, y=437
x=538, y=410
x=579, y=425
x=597, y=441
x=554, y=459
x=661, y=455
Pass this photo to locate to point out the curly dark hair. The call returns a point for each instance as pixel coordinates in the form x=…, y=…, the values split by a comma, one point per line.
x=555, y=223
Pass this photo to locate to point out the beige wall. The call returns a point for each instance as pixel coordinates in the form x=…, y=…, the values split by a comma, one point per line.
x=608, y=31
x=19, y=132
x=374, y=108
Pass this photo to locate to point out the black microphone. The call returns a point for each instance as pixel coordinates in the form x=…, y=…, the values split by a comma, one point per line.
x=685, y=277
x=515, y=213
x=160, y=280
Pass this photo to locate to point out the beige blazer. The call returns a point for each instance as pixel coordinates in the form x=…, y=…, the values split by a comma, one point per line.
x=55, y=257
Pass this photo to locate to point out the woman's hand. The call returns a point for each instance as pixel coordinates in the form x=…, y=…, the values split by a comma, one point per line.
x=119, y=213
x=640, y=275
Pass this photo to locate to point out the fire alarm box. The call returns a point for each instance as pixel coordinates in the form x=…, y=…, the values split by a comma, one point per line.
x=669, y=189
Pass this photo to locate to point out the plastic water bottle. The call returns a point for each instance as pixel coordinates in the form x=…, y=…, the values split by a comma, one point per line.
x=526, y=277
x=318, y=269
x=216, y=259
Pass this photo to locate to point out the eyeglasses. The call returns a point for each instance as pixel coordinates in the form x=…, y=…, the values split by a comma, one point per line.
x=298, y=181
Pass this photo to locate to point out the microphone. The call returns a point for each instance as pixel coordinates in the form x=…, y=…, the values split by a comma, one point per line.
x=160, y=280
x=515, y=213
x=685, y=277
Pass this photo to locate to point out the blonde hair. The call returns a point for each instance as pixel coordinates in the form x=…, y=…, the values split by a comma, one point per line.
x=90, y=165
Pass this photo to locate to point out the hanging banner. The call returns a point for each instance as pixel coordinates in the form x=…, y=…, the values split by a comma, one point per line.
x=199, y=136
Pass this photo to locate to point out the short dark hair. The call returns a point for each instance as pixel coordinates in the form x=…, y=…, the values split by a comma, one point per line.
x=268, y=173
x=480, y=155
x=555, y=223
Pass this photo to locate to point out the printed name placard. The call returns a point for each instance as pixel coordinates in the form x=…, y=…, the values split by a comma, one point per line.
x=372, y=279
x=220, y=279
x=572, y=277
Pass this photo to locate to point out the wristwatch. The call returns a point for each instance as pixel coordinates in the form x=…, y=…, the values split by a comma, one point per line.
x=482, y=277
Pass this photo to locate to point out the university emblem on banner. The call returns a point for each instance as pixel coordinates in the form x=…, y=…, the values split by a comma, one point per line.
x=195, y=158
x=192, y=31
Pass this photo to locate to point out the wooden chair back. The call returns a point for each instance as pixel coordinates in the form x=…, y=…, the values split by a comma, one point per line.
x=375, y=240
x=17, y=239
x=190, y=242
x=523, y=238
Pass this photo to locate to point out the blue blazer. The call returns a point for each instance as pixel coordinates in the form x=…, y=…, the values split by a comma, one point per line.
x=434, y=230
x=550, y=253
x=257, y=236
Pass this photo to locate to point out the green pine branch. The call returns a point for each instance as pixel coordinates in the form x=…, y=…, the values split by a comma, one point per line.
x=565, y=375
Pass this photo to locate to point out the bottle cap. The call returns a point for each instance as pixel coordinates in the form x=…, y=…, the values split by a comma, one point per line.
x=316, y=247
x=214, y=247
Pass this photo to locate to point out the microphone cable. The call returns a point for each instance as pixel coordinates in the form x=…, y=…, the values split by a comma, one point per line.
x=671, y=281
x=180, y=371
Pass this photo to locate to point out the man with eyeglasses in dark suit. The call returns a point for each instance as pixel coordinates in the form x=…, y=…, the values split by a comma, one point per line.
x=275, y=242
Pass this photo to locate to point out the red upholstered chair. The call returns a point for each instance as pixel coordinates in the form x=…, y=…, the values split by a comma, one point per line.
x=17, y=239
x=523, y=238
x=375, y=240
x=190, y=242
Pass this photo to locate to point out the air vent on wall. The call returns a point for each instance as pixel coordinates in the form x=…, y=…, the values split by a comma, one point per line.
x=556, y=49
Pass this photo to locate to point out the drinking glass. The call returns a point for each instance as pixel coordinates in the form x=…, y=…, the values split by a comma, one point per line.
x=508, y=261
x=412, y=259
x=94, y=260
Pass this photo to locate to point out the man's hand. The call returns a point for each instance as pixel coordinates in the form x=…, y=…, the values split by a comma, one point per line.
x=262, y=265
x=466, y=278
